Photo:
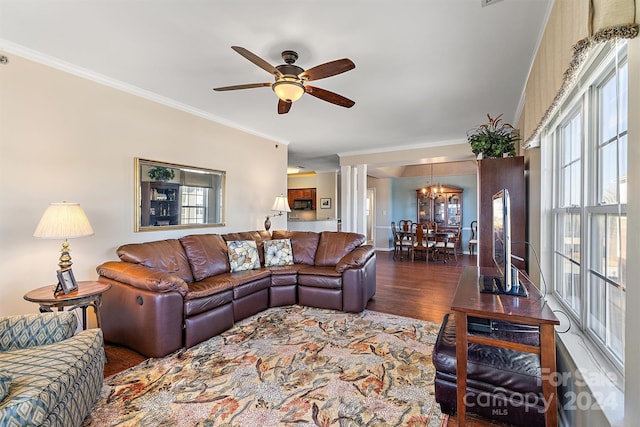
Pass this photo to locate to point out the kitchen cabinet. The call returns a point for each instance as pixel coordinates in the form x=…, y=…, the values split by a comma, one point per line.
x=302, y=194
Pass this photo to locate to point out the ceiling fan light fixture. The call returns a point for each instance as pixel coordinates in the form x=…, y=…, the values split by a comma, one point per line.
x=288, y=90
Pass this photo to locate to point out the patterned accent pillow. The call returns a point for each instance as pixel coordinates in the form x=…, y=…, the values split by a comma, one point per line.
x=5, y=383
x=243, y=255
x=278, y=252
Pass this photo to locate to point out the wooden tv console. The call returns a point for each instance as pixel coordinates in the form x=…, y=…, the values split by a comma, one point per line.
x=531, y=310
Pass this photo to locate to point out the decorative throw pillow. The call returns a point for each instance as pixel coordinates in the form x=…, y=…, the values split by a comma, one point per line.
x=243, y=255
x=5, y=383
x=278, y=252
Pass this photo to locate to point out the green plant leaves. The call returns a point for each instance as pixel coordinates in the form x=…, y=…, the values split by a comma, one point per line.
x=493, y=139
x=161, y=174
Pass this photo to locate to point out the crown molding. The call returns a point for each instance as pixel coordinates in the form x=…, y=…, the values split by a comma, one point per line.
x=396, y=148
x=35, y=56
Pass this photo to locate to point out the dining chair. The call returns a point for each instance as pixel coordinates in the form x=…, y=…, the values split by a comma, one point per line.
x=405, y=224
x=453, y=244
x=473, y=242
x=419, y=242
x=430, y=225
x=399, y=242
x=447, y=243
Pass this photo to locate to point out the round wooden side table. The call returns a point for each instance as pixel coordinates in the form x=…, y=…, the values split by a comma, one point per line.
x=88, y=294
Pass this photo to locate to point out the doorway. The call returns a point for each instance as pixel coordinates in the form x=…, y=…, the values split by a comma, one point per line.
x=370, y=213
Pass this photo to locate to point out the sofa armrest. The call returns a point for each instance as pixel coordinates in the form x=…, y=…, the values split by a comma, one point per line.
x=31, y=330
x=46, y=377
x=142, y=277
x=356, y=258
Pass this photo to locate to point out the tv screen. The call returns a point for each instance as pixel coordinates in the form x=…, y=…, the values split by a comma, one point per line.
x=502, y=237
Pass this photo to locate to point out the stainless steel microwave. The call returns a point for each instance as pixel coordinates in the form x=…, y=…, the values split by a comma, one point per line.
x=302, y=204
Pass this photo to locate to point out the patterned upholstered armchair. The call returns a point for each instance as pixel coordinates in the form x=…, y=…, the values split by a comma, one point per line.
x=48, y=375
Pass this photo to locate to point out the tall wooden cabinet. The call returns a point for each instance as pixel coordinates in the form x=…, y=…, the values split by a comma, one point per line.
x=494, y=175
x=160, y=204
x=445, y=210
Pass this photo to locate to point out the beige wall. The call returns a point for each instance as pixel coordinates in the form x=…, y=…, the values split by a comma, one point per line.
x=63, y=137
x=327, y=188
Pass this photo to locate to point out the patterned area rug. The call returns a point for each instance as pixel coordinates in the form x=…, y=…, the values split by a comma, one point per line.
x=286, y=366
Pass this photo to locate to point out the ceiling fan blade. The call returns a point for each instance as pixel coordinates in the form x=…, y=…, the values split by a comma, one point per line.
x=329, y=96
x=327, y=69
x=246, y=86
x=257, y=60
x=284, y=106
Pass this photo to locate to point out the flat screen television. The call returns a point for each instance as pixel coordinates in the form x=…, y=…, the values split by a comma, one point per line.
x=507, y=282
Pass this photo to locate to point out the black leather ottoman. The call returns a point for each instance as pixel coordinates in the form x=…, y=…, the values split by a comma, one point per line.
x=502, y=384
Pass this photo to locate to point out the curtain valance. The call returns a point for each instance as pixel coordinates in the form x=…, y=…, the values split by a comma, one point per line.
x=574, y=27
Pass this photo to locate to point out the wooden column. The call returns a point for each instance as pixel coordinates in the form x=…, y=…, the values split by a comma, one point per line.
x=494, y=175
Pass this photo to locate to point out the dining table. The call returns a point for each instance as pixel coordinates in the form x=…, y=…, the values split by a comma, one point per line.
x=432, y=235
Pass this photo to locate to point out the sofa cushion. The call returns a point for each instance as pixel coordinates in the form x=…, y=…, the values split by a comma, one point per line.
x=246, y=288
x=335, y=245
x=5, y=383
x=207, y=254
x=241, y=277
x=162, y=255
x=277, y=252
x=285, y=275
x=304, y=244
x=209, y=286
x=320, y=277
x=207, y=303
x=243, y=255
x=257, y=236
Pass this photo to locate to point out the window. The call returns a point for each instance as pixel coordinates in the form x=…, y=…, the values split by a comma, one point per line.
x=589, y=204
x=567, y=247
x=194, y=205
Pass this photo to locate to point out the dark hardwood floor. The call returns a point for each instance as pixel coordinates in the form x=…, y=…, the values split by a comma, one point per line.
x=408, y=288
x=416, y=289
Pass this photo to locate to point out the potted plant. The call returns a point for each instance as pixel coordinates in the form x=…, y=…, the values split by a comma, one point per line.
x=160, y=173
x=493, y=139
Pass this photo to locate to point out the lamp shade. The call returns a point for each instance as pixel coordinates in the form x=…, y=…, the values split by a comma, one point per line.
x=288, y=90
x=281, y=204
x=63, y=221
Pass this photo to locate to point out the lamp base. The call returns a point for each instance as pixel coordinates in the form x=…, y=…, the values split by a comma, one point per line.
x=65, y=257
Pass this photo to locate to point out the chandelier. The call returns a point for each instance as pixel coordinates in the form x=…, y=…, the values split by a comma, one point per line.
x=432, y=191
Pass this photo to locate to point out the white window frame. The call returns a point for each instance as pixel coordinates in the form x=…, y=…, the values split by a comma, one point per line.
x=584, y=100
x=187, y=208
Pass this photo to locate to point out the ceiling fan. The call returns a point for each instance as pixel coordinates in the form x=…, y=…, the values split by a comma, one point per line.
x=289, y=79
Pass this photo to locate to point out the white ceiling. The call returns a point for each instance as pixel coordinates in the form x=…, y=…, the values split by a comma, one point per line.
x=426, y=70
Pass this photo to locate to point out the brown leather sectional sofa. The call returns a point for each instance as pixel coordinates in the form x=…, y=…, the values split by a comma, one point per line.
x=175, y=293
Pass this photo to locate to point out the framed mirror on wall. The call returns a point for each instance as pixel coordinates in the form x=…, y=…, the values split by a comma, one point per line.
x=171, y=196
